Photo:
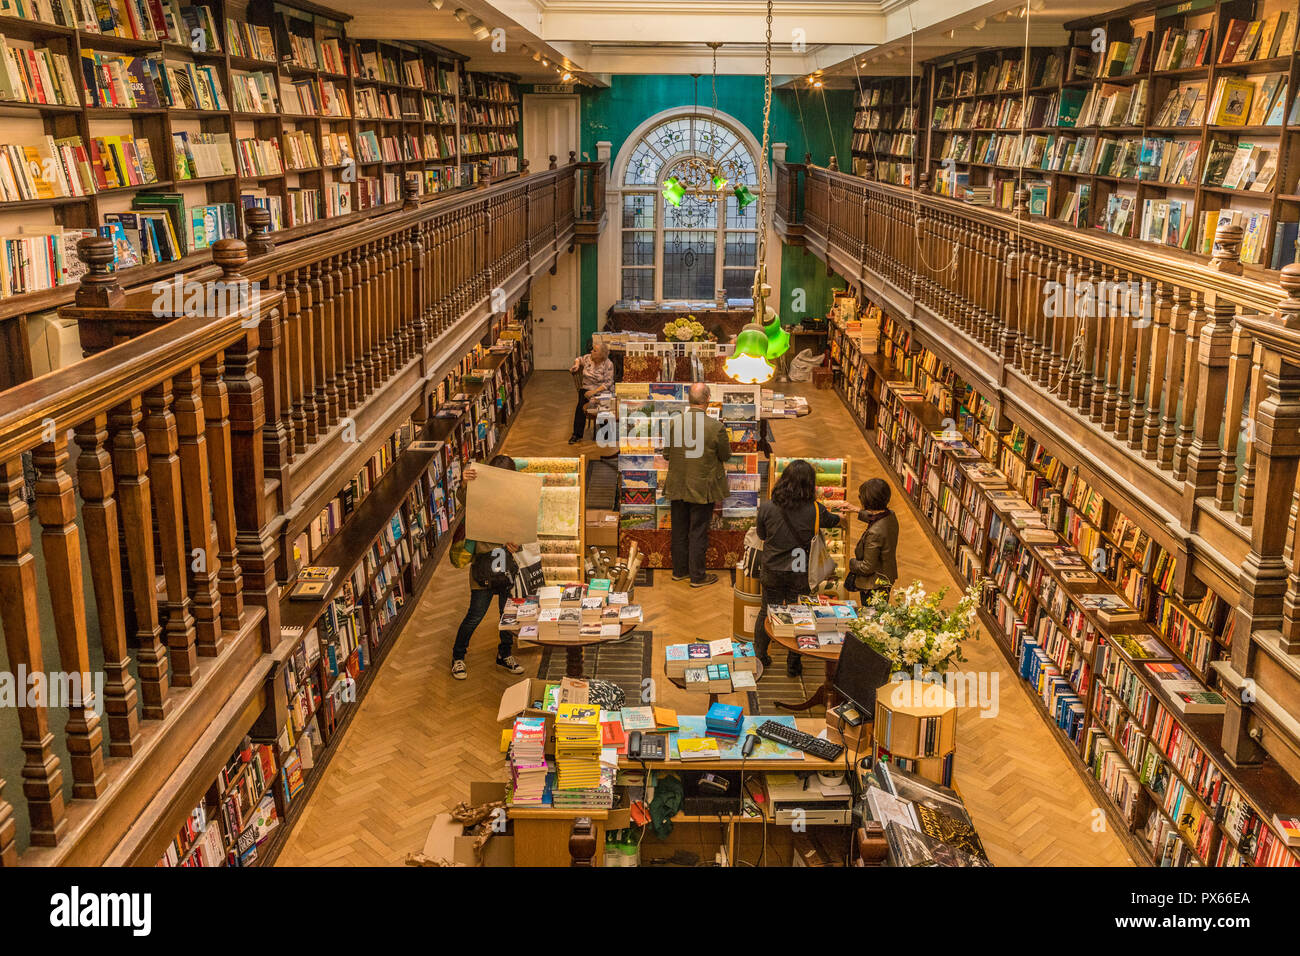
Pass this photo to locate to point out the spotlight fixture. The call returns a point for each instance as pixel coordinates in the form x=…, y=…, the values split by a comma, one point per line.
x=981, y=23
x=478, y=27
x=459, y=14
x=545, y=62
x=567, y=77
x=437, y=4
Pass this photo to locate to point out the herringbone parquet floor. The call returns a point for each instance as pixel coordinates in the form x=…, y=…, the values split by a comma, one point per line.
x=420, y=737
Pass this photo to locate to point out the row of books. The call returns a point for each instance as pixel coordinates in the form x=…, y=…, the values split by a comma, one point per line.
x=123, y=81
x=50, y=168
x=36, y=75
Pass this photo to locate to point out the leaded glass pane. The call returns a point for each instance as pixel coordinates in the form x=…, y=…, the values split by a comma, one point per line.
x=689, y=264
x=638, y=284
x=639, y=211
x=638, y=248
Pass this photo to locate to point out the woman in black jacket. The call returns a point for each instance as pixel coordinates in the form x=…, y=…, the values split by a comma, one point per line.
x=786, y=524
x=874, y=565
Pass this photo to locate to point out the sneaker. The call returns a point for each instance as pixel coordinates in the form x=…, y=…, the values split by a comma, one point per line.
x=680, y=577
x=510, y=664
x=458, y=670
x=705, y=581
x=574, y=441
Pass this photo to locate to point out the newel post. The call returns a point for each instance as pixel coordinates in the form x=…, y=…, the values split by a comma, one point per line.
x=99, y=288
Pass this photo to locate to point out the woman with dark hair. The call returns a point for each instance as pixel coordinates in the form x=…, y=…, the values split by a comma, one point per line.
x=491, y=573
x=874, y=566
x=786, y=524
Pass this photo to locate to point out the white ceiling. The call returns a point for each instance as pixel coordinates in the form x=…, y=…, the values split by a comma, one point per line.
x=595, y=39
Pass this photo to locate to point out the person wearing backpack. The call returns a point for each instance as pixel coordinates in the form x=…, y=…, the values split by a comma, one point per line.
x=787, y=525
x=491, y=574
x=873, y=569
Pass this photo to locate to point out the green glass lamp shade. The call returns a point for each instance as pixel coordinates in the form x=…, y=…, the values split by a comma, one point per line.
x=752, y=341
x=744, y=198
x=674, y=191
x=778, y=339
x=749, y=364
x=719, y=182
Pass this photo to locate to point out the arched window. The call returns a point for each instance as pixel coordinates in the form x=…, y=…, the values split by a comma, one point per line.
x=687, y=252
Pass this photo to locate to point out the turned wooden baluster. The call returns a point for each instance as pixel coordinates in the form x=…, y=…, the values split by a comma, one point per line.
x=1115, y=355
x=165, y=485
x=1235, y=418
x=338, y=390
x=329, y=344
x=348, y=336
x=1277, y=451
x=42, y=777
x=1246, y=486
x=1139, y=323
x=419, y=294
x=258, y=221
x=1160, y=376
x=321, y=354
x=216, y=424
x=254, y=541
x=99, y=518
x=131, y=467
x=56, y=508
x=369, y=304
x=1196, y=318
x=1173, y=387
x=357, y=367
x=203, y=557
x=309, y=345
x=293, y=348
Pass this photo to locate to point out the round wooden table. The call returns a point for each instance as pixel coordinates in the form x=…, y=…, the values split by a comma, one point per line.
x=829, y=655
x=573, y=656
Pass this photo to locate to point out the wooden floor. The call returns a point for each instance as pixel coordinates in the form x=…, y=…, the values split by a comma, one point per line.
x=421, y=737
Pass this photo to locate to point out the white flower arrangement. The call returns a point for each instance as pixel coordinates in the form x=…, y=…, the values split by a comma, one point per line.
x=910, y=627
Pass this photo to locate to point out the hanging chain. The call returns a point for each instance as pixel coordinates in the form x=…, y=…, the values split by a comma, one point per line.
x=762, y=158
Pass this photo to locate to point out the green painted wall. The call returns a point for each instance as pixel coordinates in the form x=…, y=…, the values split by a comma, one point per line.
x=798, y=121
x=804, y=280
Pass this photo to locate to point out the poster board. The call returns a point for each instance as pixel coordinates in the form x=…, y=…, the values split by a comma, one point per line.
x=502, y=506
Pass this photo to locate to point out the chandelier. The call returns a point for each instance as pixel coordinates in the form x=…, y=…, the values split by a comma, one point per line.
x=705, y=178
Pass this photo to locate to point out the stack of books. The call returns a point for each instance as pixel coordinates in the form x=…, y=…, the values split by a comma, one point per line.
x=577, y=746
x=528, y=767
x=724, y=720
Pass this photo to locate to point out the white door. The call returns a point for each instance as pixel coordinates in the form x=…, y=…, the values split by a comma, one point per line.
x=550, y=129
x=555, y=314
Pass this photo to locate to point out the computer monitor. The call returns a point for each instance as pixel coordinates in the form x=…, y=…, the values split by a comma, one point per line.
x=860, y=673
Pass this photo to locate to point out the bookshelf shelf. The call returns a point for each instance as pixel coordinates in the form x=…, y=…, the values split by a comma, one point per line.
x=279, y=56
x=1161, y=770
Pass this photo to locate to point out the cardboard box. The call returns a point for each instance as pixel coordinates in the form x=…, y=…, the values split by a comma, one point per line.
x=448, y=840
x=602, y=528
x=519, y=699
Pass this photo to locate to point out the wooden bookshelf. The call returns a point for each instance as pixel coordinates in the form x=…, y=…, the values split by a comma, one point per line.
x=1089, y=130
x=1186, y=804
x=418, y=103
x=887, y=136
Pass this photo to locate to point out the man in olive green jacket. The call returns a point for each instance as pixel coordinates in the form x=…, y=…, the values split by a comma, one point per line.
x=696, y=449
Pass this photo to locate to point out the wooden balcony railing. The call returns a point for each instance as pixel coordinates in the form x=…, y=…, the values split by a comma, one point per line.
x=216, y=415
x=592, y=214
x=1175, y=386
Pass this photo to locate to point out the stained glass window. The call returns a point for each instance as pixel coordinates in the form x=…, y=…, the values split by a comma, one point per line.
x=688, y=252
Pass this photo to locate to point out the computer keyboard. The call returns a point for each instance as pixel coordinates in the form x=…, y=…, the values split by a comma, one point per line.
x=797, y=739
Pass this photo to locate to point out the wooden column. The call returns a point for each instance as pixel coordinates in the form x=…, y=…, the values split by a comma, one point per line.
x=99, y=518
x=42, y=777
x=216, y=423
x=56, y=507
x=202, y=558
x=131, y=466
x=165, y=483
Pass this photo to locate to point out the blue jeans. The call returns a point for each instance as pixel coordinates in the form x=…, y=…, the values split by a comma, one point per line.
x=480, y=599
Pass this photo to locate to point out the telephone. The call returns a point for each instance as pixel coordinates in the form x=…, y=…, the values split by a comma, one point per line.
x=646, y=746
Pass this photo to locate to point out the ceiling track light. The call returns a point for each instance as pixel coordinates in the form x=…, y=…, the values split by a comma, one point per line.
x=981, y=23
x=460, y=14
x=437, y=4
